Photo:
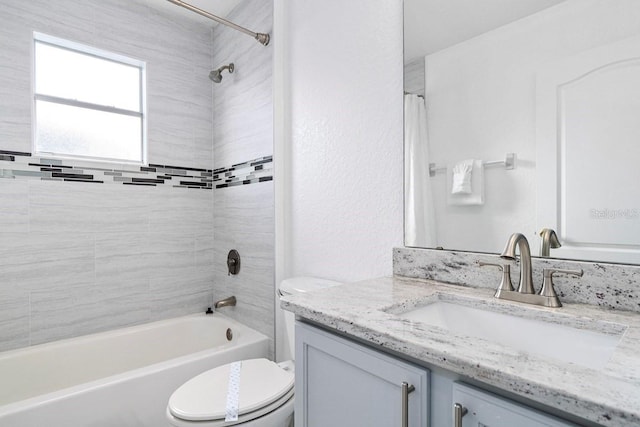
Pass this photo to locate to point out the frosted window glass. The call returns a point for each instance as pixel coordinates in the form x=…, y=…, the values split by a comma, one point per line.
x=75, y=131
x=89, y=103
x=77, y=76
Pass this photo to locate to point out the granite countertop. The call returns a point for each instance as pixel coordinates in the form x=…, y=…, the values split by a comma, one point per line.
x=608, y=395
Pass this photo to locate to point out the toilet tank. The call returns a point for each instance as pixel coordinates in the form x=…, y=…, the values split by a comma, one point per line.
x=297, y=285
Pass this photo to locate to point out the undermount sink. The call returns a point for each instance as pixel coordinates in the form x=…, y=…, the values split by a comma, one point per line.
x=588, y=345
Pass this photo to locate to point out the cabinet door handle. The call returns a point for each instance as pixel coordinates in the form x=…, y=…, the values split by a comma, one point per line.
x=459, y=411
x=405, y=389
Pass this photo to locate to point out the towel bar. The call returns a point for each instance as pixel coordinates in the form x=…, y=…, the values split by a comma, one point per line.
x=509, y=163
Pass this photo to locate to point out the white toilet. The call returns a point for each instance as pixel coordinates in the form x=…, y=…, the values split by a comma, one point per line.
x=265, y=397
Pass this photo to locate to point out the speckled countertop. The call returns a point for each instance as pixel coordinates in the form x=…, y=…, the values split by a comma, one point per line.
x=608, y=395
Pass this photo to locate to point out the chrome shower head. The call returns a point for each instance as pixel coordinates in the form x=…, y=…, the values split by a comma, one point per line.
x=216, y=75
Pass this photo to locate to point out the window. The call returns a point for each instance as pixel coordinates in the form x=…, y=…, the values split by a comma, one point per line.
x=88, y=103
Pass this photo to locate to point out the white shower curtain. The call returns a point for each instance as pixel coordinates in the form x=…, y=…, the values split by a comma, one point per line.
x=419, y=215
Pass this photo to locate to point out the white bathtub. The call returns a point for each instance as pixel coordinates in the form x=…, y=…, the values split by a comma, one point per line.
x=119, y=378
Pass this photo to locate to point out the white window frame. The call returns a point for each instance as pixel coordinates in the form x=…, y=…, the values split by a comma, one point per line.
x=101, y=54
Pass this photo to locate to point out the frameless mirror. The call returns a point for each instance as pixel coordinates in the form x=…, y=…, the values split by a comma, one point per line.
x=526, y=120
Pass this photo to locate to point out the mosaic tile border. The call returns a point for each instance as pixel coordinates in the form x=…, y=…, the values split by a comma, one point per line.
x=249, y=172
x=16, y=164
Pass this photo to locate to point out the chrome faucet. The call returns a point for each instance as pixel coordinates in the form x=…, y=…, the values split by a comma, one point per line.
x=549, y=241
x=518, y=240
x=547, y=296
x=227, y=302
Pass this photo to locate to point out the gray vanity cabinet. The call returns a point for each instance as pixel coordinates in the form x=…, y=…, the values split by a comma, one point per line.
x=340, y=383
x=484, y=409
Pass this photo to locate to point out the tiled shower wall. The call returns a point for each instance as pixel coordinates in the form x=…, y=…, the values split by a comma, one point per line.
x=77, y=258
x=243, y=129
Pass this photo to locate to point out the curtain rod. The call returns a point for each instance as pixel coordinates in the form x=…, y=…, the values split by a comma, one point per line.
x=262, y=38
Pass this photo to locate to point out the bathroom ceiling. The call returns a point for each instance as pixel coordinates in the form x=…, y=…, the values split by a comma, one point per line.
x=433, y=25
x=430, y=25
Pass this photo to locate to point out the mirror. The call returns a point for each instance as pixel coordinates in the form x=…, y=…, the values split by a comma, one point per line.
x=536, y=101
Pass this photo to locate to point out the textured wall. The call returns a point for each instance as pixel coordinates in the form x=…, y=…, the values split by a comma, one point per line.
x=243, y=130
x=344, y=197
x=77, y=258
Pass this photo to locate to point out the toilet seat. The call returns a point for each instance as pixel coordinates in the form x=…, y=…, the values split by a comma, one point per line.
x=277, y=413
x=264, y=387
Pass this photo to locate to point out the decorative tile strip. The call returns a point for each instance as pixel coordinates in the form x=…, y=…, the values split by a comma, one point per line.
x=249, y=172
x=17, y=164
x=15, y=153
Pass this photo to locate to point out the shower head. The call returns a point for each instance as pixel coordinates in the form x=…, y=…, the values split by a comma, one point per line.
x=216, y=75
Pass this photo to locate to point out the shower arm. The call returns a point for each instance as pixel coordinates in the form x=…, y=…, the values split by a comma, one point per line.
x=261, y=37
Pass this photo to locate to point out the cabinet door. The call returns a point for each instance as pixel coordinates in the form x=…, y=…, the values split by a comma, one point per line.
x=488, y=410
x=340, y=383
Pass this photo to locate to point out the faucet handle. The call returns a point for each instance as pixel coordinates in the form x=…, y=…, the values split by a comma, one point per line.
x=547, y=289
x=551, y=271
x=505, y=283
x=501, y=267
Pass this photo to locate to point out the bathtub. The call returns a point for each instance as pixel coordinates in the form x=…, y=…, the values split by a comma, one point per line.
x=118, y=378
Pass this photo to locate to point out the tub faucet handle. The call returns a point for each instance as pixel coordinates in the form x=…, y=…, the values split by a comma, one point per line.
x=233, y=262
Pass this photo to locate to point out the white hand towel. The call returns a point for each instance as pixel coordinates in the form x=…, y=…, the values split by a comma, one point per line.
x=476, y=195
x=462, y=175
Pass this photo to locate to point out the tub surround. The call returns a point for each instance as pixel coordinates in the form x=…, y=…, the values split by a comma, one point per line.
x=84, y=257
x=81, y=256
x=243, y=129
x=363, y=310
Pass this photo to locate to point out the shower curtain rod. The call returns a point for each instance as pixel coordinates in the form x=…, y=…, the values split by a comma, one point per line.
x=262, y=38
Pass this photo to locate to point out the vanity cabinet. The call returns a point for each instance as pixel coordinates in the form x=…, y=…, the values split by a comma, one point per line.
x=485, y=409
x=343, y=383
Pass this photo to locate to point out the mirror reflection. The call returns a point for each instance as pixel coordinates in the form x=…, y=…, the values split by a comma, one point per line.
x=521, y=116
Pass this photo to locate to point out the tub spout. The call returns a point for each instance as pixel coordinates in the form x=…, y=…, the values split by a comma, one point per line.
x=227, y=302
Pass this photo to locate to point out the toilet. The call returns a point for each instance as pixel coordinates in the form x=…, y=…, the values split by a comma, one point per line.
x=266, y=395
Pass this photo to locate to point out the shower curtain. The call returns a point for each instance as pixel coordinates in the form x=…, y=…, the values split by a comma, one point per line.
x=419, y=215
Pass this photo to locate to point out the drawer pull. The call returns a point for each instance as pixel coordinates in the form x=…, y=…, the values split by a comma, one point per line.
x=459, y=411
x=405, y=389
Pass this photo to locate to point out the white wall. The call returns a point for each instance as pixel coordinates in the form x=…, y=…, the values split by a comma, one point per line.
x=481, y=104
x=342, y=138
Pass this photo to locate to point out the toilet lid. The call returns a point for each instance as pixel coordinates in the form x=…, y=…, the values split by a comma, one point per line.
x=204, y=397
